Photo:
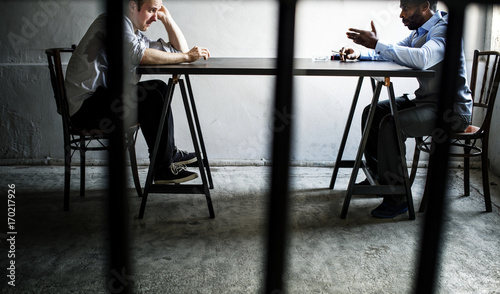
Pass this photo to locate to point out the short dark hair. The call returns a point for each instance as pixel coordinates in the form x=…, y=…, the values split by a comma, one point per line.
x=432, y=3
x=139, y=3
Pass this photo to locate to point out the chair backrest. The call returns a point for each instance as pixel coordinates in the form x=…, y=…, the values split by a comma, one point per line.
x=484, y=83
x=57, y=78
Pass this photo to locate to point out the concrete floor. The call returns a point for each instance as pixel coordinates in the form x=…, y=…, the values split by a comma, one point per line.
x=176, y=248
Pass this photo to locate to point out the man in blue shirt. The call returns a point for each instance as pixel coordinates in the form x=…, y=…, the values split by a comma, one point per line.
x=424, y=48
x=90, y=105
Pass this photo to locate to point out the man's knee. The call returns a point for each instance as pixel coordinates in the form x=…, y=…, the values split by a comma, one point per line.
x=387, y=122
x=151, y=92
x=153, y=84
x=364, y=115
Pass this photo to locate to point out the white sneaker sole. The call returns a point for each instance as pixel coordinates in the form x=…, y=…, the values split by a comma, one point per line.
x=185, y=162
x=176, y=181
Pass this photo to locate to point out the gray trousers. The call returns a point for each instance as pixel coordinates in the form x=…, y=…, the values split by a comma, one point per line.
x=382, y=150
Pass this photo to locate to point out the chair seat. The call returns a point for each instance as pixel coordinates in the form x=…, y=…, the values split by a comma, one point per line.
x=99, y=133
x=472, y=132
x=472, y=129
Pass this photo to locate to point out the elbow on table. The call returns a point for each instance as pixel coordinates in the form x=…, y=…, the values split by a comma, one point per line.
x=146, y=57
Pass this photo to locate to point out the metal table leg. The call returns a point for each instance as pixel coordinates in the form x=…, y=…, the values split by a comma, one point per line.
x=198, y=129
x=375, y=188
x=359, y=156
x=178, y=188
x=339, y=162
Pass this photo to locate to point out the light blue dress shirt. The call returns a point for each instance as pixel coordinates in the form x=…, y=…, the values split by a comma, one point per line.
x=88, y=66
x=424, y=48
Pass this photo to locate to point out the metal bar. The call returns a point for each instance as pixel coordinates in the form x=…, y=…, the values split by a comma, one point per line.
x=430, y=252
x=118, y=259
x=338, y=162
x=278, y=206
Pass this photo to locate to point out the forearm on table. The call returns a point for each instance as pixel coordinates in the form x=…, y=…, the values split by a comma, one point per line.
x=154, y=56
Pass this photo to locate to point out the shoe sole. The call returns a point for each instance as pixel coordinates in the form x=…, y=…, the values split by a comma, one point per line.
x=176, y=181
x=186, y=162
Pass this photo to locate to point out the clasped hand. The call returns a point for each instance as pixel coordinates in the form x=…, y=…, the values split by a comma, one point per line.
x=197, y=53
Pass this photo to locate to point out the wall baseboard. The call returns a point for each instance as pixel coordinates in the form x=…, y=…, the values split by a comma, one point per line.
x=213, y=162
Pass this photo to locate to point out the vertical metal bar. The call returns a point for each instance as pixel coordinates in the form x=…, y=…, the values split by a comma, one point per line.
x=437, y=178
x=118, y=264
x=278, y=207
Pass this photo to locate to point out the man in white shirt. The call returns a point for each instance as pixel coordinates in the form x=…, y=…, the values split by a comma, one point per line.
x=91, y=107
x=424, y=48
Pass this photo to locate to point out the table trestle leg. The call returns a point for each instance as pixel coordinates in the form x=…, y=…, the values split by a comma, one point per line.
x=196, y=137
x=374, y=187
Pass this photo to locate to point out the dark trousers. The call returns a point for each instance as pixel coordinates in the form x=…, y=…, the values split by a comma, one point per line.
x=99, y=110
x=382, y=150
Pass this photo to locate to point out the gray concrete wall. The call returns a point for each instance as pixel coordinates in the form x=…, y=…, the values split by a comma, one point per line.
x=236, y=112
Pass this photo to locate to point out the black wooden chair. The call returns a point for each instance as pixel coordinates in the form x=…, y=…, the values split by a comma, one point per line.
x=78, y=140
x=484, y=83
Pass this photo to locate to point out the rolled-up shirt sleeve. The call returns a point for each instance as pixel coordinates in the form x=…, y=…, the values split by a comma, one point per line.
x=134, y=46
x=160, y=44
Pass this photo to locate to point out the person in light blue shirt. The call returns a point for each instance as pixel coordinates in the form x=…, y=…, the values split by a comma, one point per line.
x=89, y=103
x=424, y=48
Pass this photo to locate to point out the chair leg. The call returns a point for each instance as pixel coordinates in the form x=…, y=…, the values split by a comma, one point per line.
x=486, y=180
x=414, y=165
x=82, y=166
x=425, y=199
x=467, y=170
x=133, y=165
x=67, y=175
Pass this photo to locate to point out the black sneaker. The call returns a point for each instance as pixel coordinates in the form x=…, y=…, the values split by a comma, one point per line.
x=175, y=174
x=183, y=157
x=388, y=211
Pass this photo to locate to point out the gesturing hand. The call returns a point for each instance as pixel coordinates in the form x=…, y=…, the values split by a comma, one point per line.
x=368, y=39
